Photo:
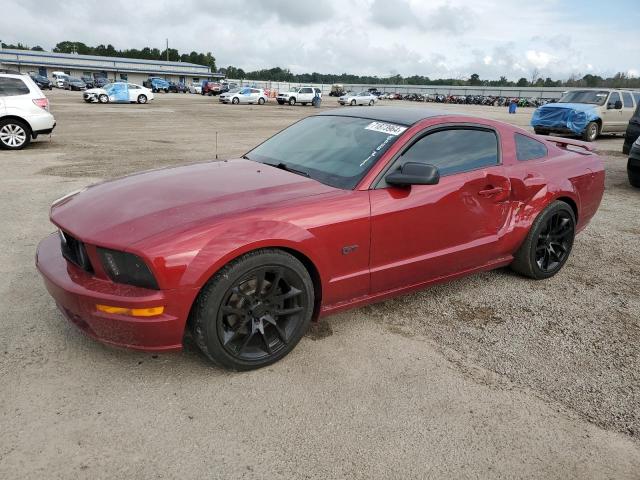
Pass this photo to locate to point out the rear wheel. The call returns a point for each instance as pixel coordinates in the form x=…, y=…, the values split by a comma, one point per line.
x=103, y=98
x=634, y=177
x=142, y=99
x=548, y=244
x=371, y=103
x=261, y=101
x=14, y=134
x=254, y=311
x=591, y=132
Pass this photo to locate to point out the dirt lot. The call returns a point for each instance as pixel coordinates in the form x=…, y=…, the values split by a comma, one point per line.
x=493, y=376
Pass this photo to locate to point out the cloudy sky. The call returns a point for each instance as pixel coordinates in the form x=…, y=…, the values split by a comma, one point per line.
x=451, y=38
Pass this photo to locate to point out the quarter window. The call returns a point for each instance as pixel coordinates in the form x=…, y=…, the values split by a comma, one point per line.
x=529, y=149
x=627, y=100
x=12, y=86
x=455, y=150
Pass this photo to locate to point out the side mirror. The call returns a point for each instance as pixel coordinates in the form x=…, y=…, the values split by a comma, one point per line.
x=414, y=173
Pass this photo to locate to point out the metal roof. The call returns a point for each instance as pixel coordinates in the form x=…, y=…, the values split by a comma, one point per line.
x=68, y=56
x=399, y=115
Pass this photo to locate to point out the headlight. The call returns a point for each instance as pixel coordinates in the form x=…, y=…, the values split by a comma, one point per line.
x=123, y=267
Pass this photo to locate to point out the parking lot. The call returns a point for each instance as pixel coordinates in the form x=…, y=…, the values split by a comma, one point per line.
x=491, y=376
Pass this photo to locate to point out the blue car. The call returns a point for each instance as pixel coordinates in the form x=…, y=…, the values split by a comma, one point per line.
x=156, y=84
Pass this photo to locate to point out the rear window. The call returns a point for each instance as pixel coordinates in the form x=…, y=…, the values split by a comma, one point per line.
x=12, y=86
x=528, y=148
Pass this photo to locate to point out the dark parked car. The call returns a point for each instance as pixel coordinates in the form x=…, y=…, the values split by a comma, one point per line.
x=100, y=82
x=633, y=164
x=42, y=81
x=89, y=82
x=73, y=83
x=178, y=87
x=633, y=131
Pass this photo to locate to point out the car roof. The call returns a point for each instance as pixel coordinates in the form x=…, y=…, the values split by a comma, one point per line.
x=403, y=116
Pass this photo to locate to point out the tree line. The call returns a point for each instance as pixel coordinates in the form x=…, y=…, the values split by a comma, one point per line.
x=277, y=74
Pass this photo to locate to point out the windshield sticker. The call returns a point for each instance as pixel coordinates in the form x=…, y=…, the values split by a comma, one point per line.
x=374, y=154
x=388, y=128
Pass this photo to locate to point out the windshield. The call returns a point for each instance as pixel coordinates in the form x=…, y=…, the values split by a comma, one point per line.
x=593, y=97
x=337, y=151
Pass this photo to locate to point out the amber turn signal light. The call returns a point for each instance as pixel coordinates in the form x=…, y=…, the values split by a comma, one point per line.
x=134, y=312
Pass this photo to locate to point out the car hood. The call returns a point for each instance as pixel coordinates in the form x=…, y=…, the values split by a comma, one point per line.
x=97, y=91
x=122, y=212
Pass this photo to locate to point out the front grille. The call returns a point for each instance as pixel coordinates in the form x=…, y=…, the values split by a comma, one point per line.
x=75, y=252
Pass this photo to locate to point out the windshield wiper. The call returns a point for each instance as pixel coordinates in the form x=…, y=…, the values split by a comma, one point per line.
x=284, y=166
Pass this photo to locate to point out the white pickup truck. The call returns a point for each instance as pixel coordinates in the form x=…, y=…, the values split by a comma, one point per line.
x=301, y=95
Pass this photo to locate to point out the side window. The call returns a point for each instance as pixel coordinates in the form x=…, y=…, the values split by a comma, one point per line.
x=455, y=150
x=627, y=100
x=636, y=95
x=12, y=86
x=306, y=90
x=528, y=148
x=613, y=98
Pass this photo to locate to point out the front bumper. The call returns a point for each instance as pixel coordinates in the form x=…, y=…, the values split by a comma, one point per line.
x=77, y=293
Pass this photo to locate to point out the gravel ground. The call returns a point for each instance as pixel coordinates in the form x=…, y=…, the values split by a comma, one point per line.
x=492, y=376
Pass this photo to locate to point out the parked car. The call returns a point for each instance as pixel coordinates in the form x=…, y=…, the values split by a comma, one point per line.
x=59, y=78
x=119, y=92
x=337, y=90
x=633, y=129
x=195, y=87
x=156, y=84
x=586, y=113
x=211, y=88
x=89, y=82
x=310, y=223
x=178, y=87
x=100, y=82
x=633, y=164
x=301, y=95
x=226, y=87
x=24, y=112
x=244, y=95
x=42, y=81
x=73, y=83
x=362, y=98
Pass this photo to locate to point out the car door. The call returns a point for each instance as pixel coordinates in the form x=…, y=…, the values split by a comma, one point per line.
x=628, y=107
x=425, y=232
x=244, y=95
x=612, y=116
x=134, y=91
x=306, y=95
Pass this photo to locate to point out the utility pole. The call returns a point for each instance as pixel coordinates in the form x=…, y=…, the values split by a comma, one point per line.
x=167, y=49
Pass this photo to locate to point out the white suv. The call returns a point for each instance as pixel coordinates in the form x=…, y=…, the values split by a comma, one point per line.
x=24, y=112
x=301, y=95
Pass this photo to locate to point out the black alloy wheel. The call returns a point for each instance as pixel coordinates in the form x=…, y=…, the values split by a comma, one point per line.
x=554, y=241
x=254, y=311
x=548, y=244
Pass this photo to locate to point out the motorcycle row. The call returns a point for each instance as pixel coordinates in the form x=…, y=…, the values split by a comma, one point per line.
x=468, y=99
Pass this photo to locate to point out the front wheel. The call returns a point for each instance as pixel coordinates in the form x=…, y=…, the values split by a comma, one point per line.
x=142, y=99
x=548, y=244
x=353, y=103
x=539, y=131
x=292, y=101
x=103, y=98
x=254, y=311
x=235, y=100
x=634, y=177
x=591, y=132
x=14, y=134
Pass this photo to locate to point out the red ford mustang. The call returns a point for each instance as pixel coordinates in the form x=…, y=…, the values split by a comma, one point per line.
x=339, y=210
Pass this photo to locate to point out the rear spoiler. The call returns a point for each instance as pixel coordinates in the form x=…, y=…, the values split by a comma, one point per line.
x=569, y=142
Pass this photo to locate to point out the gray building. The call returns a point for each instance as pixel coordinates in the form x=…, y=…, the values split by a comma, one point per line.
x=111, y=68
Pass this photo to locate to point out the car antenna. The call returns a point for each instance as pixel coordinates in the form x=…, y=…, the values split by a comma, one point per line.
x=216, y=145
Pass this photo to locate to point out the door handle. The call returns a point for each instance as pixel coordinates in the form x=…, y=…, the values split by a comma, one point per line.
x=490, y=191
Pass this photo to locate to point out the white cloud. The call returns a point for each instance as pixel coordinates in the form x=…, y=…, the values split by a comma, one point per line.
x=447, y=38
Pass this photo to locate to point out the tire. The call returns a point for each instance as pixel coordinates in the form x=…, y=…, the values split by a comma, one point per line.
x=261, y=101
x=353, y=103
x=591, y=132
x=544, y=253
x=142, y=99
x=14, y=134
x=103, y=98
x=254, y=311
x=540, y=131
x=371, y=102
x=235, y=100
x=280, y=102
x=292, y=101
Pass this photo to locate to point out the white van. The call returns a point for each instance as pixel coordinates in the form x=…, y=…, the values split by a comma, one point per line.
x=59, y=78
